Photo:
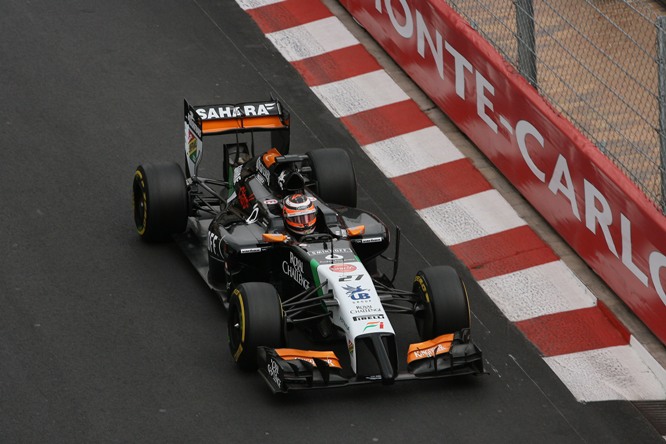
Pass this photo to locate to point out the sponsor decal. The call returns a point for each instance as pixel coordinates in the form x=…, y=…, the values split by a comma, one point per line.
x=364, y=309
x=351, y=277
x=243, y=197
x=328, y=361
x=237, y=174
x=374, y=325
x=250, y=250
x=271, y=202
x=231, y=111
x=371, y=240
x=356, y=293
x=273, y=370
x=254, y=215
x=350, y=346
x=193, y=143
x=368, y=317
x=264, y=174
x=294, y=269
x=193, y=124
x=335, y=250
x=281, y=179
x=333, y=257
x=214, y=244
x=192, y=147
x=342, y=268
x=431, y=352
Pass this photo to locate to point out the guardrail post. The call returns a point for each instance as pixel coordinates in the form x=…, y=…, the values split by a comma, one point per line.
x=661, y=62
x=526, y=40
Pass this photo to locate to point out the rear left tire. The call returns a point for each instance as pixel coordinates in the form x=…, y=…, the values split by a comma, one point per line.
x=159, y=201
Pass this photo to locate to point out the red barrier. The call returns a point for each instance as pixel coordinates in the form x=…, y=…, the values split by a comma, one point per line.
x=591, y=204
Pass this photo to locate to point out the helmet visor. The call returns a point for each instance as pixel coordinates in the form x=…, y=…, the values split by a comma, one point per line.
x=301, y=219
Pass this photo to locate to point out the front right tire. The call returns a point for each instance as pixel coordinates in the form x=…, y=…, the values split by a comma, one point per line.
x=442, y=302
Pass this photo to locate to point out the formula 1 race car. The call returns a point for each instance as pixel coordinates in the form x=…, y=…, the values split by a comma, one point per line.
x=279, y=239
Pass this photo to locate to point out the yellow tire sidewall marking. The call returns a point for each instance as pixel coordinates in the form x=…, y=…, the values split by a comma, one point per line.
x=138, y=174
x=419, y=280
x=239, y=351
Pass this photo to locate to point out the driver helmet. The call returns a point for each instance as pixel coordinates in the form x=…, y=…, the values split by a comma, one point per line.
x=300, y=214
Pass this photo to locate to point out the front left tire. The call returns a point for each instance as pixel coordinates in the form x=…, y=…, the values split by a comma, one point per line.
x=255, y=319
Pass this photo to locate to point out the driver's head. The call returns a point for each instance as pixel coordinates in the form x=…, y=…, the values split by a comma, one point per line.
x=300, y=214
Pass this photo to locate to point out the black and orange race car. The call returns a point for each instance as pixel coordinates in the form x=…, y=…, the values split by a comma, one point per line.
x=278, y=237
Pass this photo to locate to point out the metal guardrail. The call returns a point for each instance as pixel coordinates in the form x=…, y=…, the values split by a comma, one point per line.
x=601, y=63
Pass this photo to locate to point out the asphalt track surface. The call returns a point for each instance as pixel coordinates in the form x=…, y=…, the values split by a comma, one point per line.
x=106, y=339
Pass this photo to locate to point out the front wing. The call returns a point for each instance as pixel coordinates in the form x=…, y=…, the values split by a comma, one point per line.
x=292, y=369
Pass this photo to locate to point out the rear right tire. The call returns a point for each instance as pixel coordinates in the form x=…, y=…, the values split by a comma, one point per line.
x=334, y=173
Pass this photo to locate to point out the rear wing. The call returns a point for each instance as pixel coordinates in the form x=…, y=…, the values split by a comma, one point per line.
x=208, y=120
x=249, y=116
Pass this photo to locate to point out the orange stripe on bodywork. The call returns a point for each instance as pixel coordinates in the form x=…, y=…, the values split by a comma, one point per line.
x=356, y=231
x=309, y=356
x=429, y=349
x=215, y=126
x=273, y=237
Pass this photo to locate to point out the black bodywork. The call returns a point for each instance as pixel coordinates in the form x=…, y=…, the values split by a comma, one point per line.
x=238, y=252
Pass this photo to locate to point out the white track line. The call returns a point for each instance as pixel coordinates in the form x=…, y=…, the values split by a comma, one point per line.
x=413, y=151
x=537, y=291
x=312, y=39
x=252, y=4
x=471, y=217
x=612, y=373
x=360, y=93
